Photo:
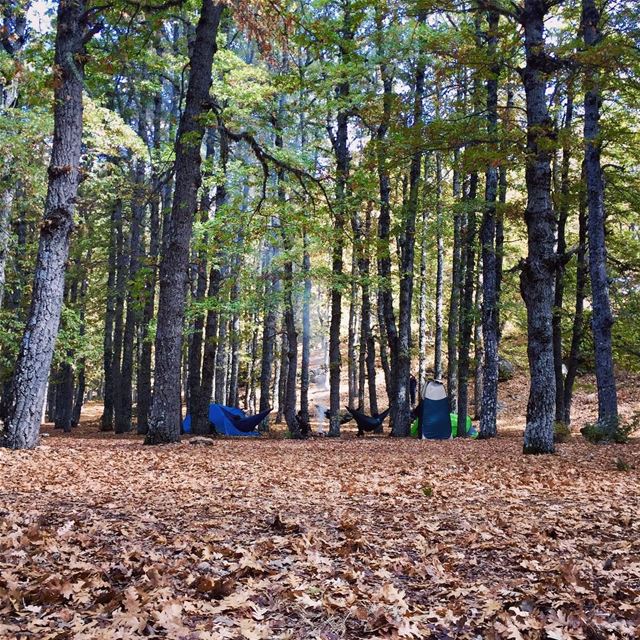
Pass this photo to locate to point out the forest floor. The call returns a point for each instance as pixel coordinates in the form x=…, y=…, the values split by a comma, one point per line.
x=104, y=538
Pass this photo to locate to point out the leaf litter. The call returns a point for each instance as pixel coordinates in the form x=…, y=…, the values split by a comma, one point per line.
x=108, y=539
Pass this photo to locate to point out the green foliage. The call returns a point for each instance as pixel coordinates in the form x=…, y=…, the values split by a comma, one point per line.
x=561, y=432
x=611, y=430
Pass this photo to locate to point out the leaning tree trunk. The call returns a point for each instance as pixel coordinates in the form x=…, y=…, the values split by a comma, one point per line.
x=22, y=425
x=602, y=318
x=488, y=417
x=164, y=425
x=538, y=270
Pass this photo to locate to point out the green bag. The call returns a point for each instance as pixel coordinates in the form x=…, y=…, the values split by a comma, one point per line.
x=471, y=431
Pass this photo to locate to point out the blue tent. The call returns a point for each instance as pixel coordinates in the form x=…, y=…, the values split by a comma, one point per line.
x=228, y=421
x=435, y=421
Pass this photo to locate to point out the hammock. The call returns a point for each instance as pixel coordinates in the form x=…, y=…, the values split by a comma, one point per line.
x=368, y=423
x=248, y=423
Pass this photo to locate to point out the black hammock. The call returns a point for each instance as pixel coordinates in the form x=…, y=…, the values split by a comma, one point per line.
x=368, y=423
x=248, y=423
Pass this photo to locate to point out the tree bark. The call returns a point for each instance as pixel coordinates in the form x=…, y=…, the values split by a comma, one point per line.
x=144, y=370
x=563, y=215
x=106, y=422
x=306, y=333
x=488, y=417
x=197, y=296
x=437, y=358
x=165, y=422
x=602, y=318
x=118, y=324
x=124, y=411
x=401, y=408
x=22, y=425
x=577, y=332
x=340, y=145
x=466, y=306
x=454, y=301
x=6, y=206
x=538, y=270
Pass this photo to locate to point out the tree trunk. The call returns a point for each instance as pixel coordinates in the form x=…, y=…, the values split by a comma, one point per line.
x=340, y=143
x=401, y=409
x=352, y=361
x=538, y=270
x=198, y=295
x=577, y=332
x=437, y=359
x=106, y=422
x=422, y=300
x=144, y=370
x=563, y=215
x=386, y=317
x=200, y=416
x=22, y=425
x=602, y=318
x=82, y=364
x=454, y=301
x=367, y=339
x=306, y=334
x=478, y=355
x=466, y=306
x=488, y=417
x=281, y=375
x=164, y=425
x=118, y=333
x=6, y=206
x=123, y=415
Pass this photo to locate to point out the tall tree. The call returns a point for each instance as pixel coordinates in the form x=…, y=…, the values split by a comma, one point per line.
x=488, y=238
x=538, y=270
x=164, y=425
x=36, y=351
x=602, y=318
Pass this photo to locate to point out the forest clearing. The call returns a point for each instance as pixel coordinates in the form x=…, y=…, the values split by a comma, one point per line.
x=104, y=538
x=319, y=319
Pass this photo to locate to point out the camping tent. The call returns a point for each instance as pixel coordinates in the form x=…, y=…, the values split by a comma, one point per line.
x=435, y=421
x=222, y=422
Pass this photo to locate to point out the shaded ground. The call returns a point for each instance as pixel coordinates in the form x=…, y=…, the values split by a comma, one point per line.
x=377, y=538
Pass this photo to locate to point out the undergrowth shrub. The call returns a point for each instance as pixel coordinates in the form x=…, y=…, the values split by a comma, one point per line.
x=610, y=430
x=561, y=432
